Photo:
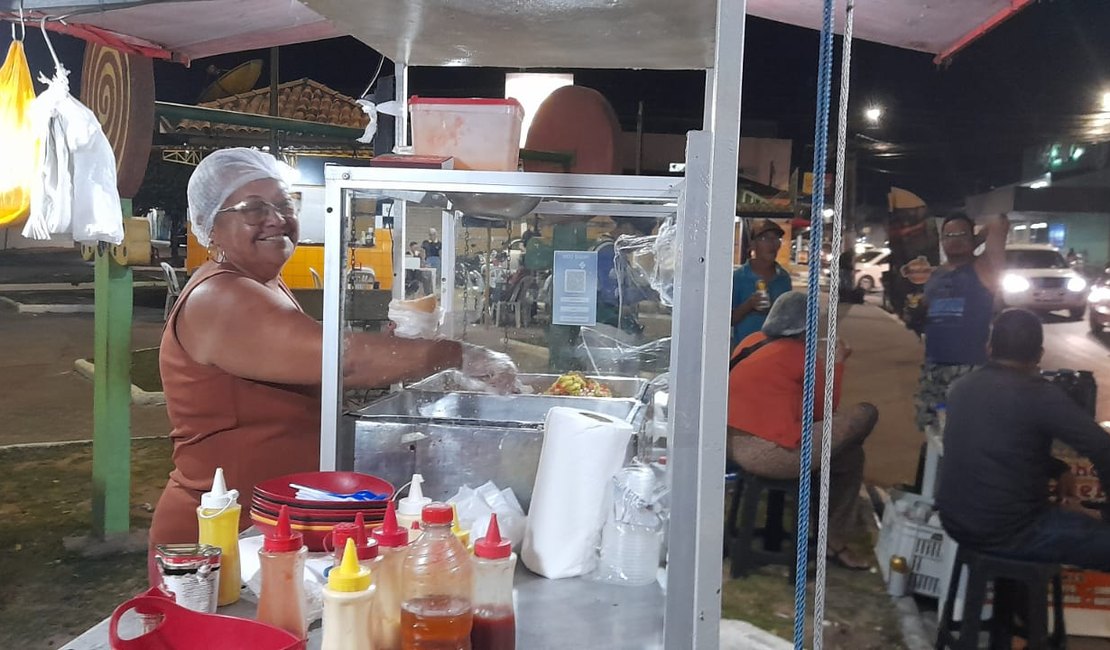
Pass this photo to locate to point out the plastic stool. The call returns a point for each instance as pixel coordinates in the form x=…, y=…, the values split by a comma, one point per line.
x=742, y=519
x=983, y=569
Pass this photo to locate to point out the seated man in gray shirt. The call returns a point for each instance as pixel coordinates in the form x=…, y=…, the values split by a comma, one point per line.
x=998, y=463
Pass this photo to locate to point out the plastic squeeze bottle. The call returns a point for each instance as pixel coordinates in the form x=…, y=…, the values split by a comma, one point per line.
x=282, y=601
x=385, y=624
x=218, y=516
x=494, y=617
x=348, y=604
x=409, y=508
x=437, y=584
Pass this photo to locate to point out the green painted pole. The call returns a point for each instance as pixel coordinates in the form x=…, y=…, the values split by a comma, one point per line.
x=111, y=499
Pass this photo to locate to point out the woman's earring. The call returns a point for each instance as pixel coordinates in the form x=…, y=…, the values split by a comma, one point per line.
x=218, y=255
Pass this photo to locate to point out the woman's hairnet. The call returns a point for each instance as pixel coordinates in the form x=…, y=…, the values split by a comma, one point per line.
x=219, y=175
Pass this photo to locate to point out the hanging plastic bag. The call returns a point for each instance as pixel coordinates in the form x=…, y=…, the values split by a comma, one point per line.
x=52, y=187
x=100, y=217
x=16, y=139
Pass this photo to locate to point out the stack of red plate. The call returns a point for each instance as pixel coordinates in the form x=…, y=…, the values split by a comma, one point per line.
x=315, y=519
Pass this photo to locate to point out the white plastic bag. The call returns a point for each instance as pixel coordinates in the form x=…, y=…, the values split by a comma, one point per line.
x=52, y=187
x=476, y=506
x=83, y=174
x=666, y=261
x=413, y=320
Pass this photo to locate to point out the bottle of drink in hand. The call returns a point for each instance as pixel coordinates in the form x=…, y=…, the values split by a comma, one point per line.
x=764, y=302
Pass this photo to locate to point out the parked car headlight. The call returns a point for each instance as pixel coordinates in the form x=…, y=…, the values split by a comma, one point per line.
x=1014, y=284
x=1077, y=284
x=1099, y=294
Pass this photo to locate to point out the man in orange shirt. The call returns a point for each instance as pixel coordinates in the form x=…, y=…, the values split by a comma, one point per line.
x=765, y=418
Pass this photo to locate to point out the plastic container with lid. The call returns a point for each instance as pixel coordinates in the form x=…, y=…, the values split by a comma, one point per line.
x=437, y=584
x=348, y=604
x=409, y=508
x=478, y=133
x=282, y=599
x=218, y=520
x=494, y=617
x=393, y=541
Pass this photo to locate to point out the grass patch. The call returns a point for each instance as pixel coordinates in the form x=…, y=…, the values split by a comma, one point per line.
x=49, y=594
x=861, y=615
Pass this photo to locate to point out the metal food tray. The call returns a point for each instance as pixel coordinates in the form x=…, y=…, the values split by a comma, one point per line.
x=621, y=387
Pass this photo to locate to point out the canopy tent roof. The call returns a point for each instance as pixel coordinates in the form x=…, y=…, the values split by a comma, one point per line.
x=645, y=34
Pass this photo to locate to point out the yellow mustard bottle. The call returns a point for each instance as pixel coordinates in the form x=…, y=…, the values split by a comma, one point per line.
x=218, y=516
x=348, y=605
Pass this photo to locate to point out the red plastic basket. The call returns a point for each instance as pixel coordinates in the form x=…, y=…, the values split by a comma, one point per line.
x=183, y=629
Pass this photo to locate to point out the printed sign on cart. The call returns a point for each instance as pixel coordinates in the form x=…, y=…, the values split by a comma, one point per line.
x=574, y=290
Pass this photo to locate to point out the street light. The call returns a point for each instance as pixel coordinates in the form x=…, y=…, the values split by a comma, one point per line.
x=1106, y=101
x=873, y=114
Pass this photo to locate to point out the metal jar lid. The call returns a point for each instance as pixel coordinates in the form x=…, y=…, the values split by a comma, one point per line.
x=187, y=555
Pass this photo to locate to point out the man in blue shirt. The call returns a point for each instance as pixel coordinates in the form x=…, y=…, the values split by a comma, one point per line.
x=749, y=309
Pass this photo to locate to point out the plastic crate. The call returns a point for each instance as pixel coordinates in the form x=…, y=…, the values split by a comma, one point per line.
x=929, y=552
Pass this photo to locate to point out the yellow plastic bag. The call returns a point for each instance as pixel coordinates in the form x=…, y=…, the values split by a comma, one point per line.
x=19, y=163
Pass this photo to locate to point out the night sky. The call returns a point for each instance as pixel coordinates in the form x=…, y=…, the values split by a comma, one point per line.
x=951, y=131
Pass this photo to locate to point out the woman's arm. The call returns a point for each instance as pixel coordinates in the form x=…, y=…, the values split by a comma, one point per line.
x=252, y=331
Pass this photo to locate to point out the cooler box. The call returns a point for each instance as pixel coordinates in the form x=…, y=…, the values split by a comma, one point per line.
x=481, y=134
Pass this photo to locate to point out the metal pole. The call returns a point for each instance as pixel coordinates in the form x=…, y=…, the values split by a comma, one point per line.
x=111, y=497
x=700, y=350
x=400, y=212
x=336, y=216
x=274, y=70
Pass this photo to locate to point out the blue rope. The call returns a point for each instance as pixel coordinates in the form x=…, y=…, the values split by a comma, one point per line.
x=813, y=305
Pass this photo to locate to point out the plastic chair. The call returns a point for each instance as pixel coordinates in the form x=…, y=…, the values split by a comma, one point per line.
x=743, y=510
x=984, y=569
x=316, y=282
x=173, y=288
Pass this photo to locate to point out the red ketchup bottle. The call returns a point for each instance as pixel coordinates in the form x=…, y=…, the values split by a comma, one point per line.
x=494, y=619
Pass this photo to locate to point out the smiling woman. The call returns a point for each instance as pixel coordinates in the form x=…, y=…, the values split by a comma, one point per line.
x=241, y=362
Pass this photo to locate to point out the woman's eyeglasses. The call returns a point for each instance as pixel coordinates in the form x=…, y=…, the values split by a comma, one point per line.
x=255, y=211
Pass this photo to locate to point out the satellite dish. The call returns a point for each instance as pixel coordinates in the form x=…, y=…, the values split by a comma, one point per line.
x=239, y=80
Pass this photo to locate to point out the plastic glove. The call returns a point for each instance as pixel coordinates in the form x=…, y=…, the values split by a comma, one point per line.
x=493, y=368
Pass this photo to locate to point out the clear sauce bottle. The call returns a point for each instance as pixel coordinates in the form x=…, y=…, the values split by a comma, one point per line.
x=437, y=584
x=393, y=540
x=282, y=601
x=494, y=615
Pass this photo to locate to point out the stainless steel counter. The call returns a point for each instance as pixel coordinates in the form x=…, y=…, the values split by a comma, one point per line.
x=550, y=615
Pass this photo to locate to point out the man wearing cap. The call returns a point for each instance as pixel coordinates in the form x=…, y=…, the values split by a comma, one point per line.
x=749, y=308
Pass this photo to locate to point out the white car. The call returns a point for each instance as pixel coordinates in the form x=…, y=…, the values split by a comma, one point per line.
x=1038, y=277
x=870, y=267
